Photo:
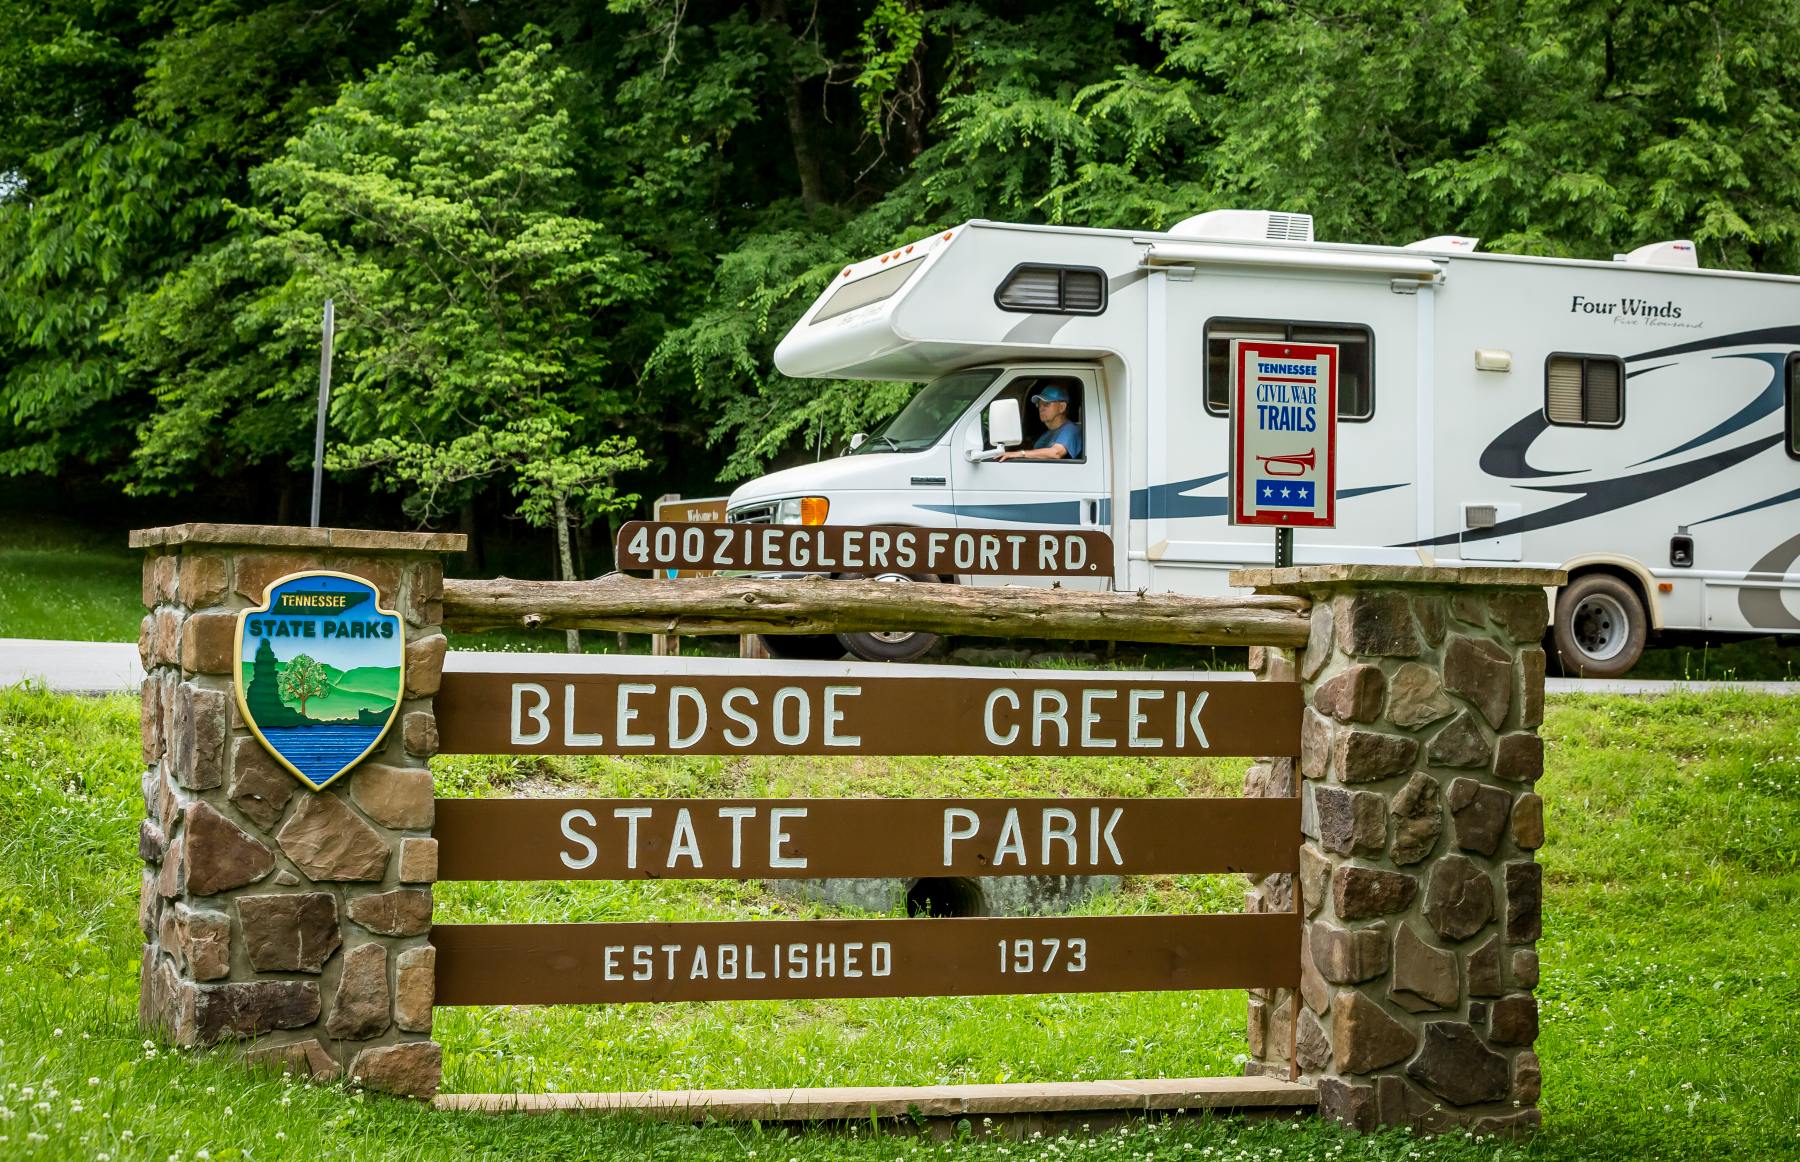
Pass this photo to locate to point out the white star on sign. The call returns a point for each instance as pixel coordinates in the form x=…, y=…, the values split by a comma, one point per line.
x=1267, y=491
x=1284, y=494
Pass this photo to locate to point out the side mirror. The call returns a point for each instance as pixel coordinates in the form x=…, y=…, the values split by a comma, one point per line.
x=1004, y=430
x=858, y=440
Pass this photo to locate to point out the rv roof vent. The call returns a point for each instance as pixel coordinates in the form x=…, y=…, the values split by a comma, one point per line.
x=1680, y=253
x=1452, y=243
x=1253, y=225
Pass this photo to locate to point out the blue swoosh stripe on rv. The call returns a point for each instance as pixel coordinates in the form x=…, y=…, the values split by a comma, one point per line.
x=1765, y=403
x=1783, y=498
x=1598, y=497
x=1044, y=512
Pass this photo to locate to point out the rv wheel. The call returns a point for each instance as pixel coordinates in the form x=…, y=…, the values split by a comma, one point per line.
x=890, y=646
x=1600, y=628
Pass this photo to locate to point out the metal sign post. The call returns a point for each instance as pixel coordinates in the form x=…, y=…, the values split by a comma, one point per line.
x=324, y=407
x=1283, y=438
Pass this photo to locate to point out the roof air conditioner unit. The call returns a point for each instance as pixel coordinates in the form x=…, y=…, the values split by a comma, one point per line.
x=1248, y=225
x=1446, y=244
x=1678, y=253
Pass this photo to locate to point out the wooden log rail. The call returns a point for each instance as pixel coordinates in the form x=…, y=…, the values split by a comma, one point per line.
x=741, y=605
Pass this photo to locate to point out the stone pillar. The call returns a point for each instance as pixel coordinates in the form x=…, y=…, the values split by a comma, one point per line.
x=1419, y=752
x=293, y=921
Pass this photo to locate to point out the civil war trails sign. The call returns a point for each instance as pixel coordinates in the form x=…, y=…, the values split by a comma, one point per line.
x=865, y=550
x=1283, y=433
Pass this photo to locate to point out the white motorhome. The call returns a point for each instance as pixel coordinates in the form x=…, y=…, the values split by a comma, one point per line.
x=1635, y=422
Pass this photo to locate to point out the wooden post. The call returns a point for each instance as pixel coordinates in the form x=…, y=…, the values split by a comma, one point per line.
x=743, y=605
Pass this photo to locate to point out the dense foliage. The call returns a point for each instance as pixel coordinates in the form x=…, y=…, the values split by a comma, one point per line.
x=553, y=229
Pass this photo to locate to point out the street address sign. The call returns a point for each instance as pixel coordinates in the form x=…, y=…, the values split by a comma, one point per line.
x=1284, y=433
x=865, y=549
x=701, y=510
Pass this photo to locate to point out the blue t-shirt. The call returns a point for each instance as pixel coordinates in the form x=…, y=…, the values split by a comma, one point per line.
x=1069, y=436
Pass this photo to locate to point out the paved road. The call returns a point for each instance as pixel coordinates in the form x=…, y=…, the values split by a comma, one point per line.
x=105, y=667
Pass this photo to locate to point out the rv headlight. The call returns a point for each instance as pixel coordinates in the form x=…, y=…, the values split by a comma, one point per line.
x=802, y=510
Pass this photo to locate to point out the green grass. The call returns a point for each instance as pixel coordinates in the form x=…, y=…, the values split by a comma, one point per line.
x=1672, y=940
x=57, y=582
x=1759, y=659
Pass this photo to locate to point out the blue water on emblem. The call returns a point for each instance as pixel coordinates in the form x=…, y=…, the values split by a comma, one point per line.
x=319, y=752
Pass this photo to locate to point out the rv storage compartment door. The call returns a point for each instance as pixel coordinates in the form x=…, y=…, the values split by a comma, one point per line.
x=1478, y=544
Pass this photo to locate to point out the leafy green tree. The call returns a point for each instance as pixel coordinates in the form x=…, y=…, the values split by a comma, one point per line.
x=1543, y=126
x=304, y=678
x=552, y=480
x=123, y=129
x=604, y=232
x=438, y=209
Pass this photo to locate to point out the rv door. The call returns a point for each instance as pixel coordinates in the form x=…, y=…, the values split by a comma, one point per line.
x=1036, y=486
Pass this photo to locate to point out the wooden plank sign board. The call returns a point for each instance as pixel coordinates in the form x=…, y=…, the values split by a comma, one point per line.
x=482, y=713
x=637, y=839
x=865, y=549
x=563, y=964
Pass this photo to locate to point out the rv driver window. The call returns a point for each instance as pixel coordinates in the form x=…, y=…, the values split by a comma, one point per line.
x=1356, y=364
x=1020, y=391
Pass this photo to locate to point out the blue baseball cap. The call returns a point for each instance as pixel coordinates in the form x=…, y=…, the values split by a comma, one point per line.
x=1055, y=393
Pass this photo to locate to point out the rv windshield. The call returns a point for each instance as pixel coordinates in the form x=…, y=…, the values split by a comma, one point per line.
x=923, y=422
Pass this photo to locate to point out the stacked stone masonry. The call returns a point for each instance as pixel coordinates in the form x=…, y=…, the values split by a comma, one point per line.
x=1418, y=884
x=291, y=922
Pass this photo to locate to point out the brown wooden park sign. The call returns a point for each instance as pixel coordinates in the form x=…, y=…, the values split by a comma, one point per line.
x=640, y=839
x=863, y=549
x=1423, y=932
x=554, y=713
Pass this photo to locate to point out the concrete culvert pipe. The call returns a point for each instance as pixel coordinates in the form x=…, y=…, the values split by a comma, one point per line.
x=945, y=896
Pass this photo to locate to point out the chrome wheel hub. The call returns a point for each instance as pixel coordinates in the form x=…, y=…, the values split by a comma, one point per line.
x=1601, y=627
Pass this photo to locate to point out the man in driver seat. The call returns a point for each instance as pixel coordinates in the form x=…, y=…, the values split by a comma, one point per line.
x=1062, y=436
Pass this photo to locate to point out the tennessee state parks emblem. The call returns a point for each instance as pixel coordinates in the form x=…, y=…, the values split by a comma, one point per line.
x=320, y=668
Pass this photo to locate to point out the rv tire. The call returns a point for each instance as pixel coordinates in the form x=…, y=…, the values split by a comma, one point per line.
x=1600, y=627
x=890, y=647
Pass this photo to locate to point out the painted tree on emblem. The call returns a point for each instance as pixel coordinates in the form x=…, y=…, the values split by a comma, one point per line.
x=304, y=678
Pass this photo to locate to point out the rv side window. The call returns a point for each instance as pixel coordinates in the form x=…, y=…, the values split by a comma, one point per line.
x=1793, y=406
x=1584, y=390
x=1356, y=362
x=1053, y=290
